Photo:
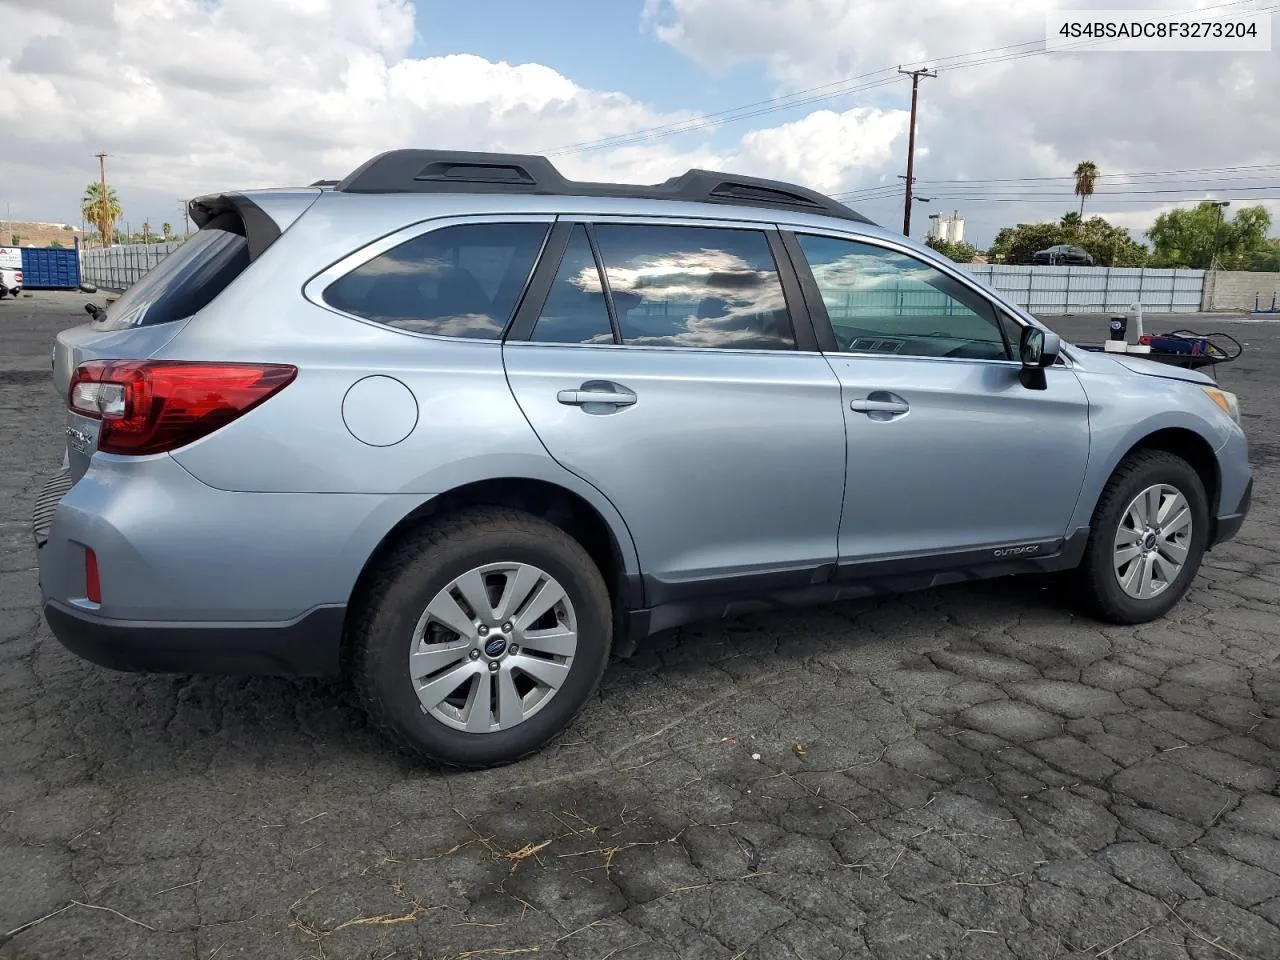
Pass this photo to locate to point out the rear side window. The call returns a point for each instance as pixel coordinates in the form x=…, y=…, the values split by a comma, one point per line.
x=676, y=286
x=462, y=281
x=183, y=282
x=575, y=311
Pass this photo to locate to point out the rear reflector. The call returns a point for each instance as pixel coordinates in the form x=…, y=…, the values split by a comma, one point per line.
x=152, y=406
x=92, y=586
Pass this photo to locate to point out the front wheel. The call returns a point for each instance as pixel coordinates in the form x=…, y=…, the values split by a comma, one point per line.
x=481, y=637
x=1148, y=536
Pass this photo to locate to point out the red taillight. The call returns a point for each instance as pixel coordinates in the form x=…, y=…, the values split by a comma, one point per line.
x=17, y=276
x=92, y=586
x=150, y=406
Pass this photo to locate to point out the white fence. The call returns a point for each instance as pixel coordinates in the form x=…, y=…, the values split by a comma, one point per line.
x=1052, y=291
x=118, y=267
x=1049, y=291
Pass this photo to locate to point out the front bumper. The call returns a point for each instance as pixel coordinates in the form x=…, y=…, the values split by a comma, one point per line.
x=308, y=646
x=1229, y=525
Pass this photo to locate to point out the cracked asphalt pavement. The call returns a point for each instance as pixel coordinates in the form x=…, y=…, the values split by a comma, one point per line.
x=969, y=772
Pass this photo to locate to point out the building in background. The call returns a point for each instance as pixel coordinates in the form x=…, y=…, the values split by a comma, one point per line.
x=949, y=227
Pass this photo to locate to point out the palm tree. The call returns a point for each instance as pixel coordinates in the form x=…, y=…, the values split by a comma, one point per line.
x=167, y=230
x=102, y=211
x=1086, y=174
x=1071, y=221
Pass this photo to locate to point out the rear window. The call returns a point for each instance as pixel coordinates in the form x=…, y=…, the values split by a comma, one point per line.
x=183, y=282
x=462, y=281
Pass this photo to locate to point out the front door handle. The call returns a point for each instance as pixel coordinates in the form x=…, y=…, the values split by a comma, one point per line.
x=597, y=391
x=880, y=405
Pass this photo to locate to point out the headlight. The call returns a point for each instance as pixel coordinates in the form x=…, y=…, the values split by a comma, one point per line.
x=1227, y=401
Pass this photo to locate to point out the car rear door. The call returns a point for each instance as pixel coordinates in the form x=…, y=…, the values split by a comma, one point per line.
x=951, y=460
x=662, y=362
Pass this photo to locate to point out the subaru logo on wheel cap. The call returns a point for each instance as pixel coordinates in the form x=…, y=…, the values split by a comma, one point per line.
x=495, y=647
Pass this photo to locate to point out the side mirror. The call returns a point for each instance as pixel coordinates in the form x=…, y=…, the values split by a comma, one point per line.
x=1037, y=349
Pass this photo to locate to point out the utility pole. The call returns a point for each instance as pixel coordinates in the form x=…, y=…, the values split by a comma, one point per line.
x=915, y=76
x=106, y=207
x=186, y=219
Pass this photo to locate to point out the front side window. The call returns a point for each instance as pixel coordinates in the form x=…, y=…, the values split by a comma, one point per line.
x=675, y=286
x=461, y=281
x=882, y=301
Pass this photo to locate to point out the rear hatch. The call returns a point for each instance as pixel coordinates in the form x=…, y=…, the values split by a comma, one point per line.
x=233, y=231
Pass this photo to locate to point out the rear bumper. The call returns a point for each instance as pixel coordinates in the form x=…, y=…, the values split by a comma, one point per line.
x=307, y=646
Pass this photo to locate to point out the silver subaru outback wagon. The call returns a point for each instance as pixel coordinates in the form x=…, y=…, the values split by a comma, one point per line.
x=459, y=428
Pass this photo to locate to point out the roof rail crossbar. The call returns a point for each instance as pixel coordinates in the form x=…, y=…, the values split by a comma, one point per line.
x=456, y=171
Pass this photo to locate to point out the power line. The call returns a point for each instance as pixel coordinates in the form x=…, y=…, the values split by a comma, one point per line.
x=839, y=88
x=1148, y=178
x=1102, y=193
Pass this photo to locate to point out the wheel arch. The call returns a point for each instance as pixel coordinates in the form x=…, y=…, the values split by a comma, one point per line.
x=1192, y=447
x=604, y=537
x=1178, y=439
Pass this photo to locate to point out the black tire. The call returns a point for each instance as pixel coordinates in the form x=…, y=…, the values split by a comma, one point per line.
x=410, y=576
x=1096, y=584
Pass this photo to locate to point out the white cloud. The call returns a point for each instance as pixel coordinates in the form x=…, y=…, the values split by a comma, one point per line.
x=189, y=96
x=1035, y=116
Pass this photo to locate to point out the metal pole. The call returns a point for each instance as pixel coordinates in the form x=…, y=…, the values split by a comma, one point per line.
x=915, y=76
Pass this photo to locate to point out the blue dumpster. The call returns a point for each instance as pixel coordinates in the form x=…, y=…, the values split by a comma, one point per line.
x=50, y=268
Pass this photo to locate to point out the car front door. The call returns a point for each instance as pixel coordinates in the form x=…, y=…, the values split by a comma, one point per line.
x=951, y=460
x=660, y=363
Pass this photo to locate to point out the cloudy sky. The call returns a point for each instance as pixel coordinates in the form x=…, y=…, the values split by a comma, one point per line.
x=193, y=96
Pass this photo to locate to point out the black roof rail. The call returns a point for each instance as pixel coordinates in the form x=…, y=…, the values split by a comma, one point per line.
x=458, y=171
x=325, y=183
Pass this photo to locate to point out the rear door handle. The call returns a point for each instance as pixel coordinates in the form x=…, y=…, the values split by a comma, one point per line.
x=597, y=391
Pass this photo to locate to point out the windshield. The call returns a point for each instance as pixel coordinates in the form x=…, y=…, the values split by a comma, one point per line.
x=183, y=282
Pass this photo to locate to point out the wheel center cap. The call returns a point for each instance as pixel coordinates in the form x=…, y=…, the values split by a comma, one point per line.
x=1149, y=541
x=495, y=647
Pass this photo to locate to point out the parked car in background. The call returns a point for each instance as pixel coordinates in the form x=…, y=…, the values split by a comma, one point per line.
x=10, y=271
x=459, y=428
x=1063, y=254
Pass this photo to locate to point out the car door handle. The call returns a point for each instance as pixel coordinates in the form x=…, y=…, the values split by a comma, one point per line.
x=879, y=406
x=597, y=392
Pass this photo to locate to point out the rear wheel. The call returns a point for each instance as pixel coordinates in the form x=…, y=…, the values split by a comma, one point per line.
x=1147, y=539
x=481, y=638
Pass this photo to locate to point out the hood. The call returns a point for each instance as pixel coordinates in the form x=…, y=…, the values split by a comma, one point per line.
x=1101, y=362
x=1153, y=368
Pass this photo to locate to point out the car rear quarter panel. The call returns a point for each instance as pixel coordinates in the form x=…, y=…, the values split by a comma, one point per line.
x=468, y=426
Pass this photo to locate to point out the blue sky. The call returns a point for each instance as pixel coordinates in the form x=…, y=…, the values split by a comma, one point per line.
x=604, y=45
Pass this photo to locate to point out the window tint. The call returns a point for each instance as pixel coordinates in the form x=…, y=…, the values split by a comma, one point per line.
x=694, y=287
x=461, y=281
x=881, y=301
x=575, y=311
x=183, y=282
